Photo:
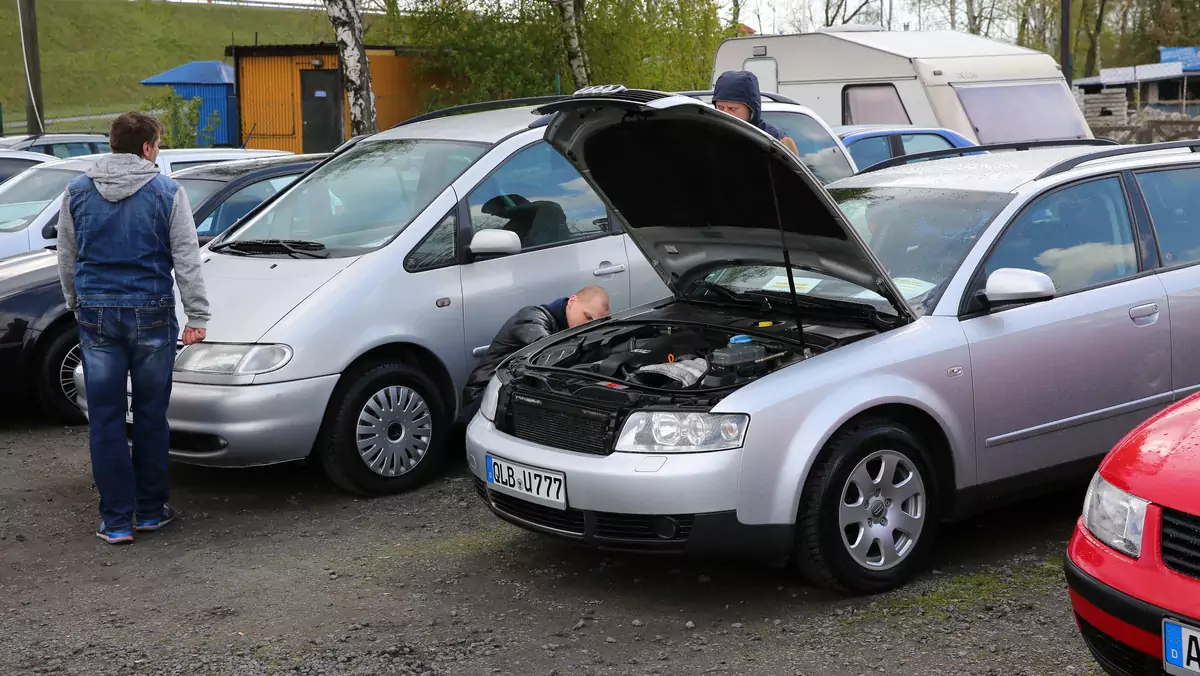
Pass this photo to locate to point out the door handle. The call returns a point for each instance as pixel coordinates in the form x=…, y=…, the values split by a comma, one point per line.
x=1144, y=315
x=480, y=351
x=609, y=270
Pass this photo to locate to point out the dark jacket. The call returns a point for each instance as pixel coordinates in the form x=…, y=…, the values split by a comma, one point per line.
x=526, y=327
x=741, y=86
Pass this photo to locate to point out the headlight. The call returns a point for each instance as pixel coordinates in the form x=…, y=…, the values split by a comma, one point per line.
x=491, y=397
x=682, y=432
x=1114, y=516
x=230, y=359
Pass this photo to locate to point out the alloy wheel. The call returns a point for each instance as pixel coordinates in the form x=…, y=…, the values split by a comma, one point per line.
x=66, y=374
x=882, y=510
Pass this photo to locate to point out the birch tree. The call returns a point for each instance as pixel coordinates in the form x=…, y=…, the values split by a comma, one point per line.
x=570, y=13
x=356, y=71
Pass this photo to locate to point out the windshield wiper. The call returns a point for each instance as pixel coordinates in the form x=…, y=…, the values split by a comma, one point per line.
x=292, y=247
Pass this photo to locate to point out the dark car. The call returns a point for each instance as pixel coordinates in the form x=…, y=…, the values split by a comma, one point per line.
x=39, y=344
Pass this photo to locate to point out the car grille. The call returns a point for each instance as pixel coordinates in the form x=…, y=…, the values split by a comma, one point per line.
x=639, y=527
x=1181, y=542
x=560, y=424
x=1116, y=657
x=567, y=521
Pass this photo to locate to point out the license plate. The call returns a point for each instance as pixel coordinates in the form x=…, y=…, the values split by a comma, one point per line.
x=129, y=409
x=535, y=485
x=1181, y=648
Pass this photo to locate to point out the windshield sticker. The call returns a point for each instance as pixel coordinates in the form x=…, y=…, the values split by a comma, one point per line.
x=780, y=283
x=910, y=287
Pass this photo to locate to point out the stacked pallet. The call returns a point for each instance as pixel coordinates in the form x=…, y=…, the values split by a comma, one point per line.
x=1109, y=108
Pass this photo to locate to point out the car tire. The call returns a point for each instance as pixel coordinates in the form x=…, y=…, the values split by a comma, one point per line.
x=826, y=535
x=402, y=407
x=54, y=383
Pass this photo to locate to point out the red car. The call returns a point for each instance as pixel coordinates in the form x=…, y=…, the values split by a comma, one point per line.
x=1133, y=565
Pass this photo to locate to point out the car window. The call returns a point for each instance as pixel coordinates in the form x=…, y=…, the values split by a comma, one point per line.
x=65, y=150
x=438, y=249
x=362, y=198
x=43, y=149
x=1173, y=197
x=537, y=194
x=10, y=167
x=869, y=151
x=101, y=147
x=1021, y=112
x=24, y=197
x=923, y=143
x=1079, y=236
x=818, y=149
x=239, y=204
x=199, y=189
x=873, y=104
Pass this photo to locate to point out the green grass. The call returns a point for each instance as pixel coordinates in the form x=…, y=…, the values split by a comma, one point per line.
x=96, y=51
x=961, y=593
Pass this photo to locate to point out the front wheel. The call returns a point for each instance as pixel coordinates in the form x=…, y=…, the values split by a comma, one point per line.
x=385, y=433
x=870, y=510
x=54, y=385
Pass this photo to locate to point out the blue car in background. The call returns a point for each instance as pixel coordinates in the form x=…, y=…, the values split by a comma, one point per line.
x=872, y=143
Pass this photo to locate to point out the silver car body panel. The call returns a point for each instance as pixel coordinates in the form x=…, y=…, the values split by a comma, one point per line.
x=1013, y=391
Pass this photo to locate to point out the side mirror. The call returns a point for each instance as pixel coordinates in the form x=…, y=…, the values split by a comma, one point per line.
x=1016, y=286
x=50, y=229
x=494, y=242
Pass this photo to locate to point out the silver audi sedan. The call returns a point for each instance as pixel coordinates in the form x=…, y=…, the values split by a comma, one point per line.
x=841, y=369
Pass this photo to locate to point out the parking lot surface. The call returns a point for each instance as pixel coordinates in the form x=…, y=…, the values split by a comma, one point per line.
x=273, y=571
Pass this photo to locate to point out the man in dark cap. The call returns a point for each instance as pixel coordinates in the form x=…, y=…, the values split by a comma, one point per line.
x=737, y=93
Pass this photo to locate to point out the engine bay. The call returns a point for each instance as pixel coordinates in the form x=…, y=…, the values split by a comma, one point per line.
x=676, y=353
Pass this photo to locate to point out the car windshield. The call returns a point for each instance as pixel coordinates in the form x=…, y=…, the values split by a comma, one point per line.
x=361, y=199
x=198, y=189
x=28, y=193
x=920, y=235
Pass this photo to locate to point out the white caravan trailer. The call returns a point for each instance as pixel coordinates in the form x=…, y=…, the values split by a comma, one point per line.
x=989, y=91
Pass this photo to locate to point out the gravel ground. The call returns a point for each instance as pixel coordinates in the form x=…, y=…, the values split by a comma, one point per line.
x=272, y=571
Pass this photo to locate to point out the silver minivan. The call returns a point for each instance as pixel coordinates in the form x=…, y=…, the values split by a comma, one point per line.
x=348, y=311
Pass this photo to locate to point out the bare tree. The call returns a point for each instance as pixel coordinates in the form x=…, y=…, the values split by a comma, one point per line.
x=839, y=12
x=356, y=71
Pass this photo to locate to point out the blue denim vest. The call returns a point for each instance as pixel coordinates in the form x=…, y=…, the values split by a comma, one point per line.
x=124, y=247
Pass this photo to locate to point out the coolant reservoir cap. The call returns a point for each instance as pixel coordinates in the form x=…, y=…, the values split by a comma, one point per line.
x=766, y=324
x=739, y=339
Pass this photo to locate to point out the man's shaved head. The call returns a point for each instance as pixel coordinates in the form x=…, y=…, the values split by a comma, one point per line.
x=588, y=303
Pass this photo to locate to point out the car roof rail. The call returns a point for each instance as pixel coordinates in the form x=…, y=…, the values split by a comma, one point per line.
x=769, y=96
x=481, y=106
x=1071, y=163
x=967, y=150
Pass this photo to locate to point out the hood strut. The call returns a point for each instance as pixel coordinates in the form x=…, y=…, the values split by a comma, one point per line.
x=787, y=259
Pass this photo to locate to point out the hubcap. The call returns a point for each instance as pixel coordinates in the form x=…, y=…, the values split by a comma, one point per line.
x=394, y=431
x=66, y=374
x=882, y=510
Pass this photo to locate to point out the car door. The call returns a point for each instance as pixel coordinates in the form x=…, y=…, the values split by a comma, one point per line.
x=568, y=242
x=1061, y=381
x=870, y=150
x=1172, y=198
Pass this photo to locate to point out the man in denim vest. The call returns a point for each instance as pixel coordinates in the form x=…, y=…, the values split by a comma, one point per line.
x=122, y=229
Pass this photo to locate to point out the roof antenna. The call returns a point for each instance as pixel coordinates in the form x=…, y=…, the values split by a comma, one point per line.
x=787, y=259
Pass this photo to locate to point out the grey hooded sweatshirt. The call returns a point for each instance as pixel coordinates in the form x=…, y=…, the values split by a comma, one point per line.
x=117, y=177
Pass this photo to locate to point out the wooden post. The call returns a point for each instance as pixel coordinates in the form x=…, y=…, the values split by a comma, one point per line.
x=27, y=17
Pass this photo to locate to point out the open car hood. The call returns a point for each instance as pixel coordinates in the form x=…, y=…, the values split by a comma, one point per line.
x=698, y=188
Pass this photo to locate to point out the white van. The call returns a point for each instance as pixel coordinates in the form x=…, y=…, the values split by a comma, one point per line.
x=989, y=91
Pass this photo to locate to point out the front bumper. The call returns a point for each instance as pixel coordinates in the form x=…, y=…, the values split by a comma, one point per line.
x=1122, y=631
x=684, y=503
x=242, y=425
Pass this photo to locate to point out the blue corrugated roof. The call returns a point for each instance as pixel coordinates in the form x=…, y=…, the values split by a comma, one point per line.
x=196, y=72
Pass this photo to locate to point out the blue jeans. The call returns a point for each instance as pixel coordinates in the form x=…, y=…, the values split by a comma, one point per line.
x=140, y=343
